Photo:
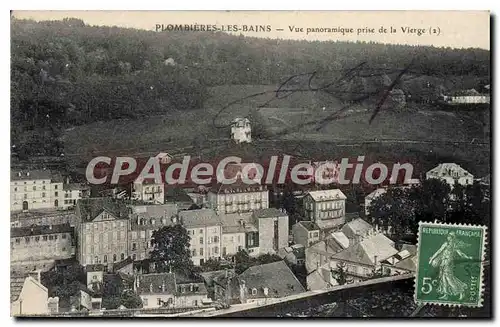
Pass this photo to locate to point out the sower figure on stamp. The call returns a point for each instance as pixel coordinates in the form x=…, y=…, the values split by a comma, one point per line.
x=444, y=260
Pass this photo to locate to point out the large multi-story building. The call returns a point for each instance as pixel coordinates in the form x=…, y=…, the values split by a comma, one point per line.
x=149, y=191
x=238, y=197
x=451, y=173
x=235, y=227
x=38, y=245
x=102, y=231
x=36, y=189
x=273, y=229
x=326, y=208
x=144, y=220
x=74, y=192
x=204, y=227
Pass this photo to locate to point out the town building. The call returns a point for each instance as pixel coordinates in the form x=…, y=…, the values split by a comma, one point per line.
x=102, y=231
x=74, y=192
x=204, y=227
x=273, y=229
x=238, y=197
x=326, y=208
x=235, y=227
x=33, y=299
x=241, y=130
x=36, y=189
x=148, y=191
x=42, y=217
x=144, y=220
x=293, y=255
x=257, y=284
x=170, y=290
x=36, y=246
x=451, y=173
x=305, y=233
x=467, y=97
x=164, y=158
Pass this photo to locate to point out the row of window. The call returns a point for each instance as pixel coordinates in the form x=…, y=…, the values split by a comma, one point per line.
x=34, y=182
x=105, y=225
x=28, y=239
x=25, y=196
x=97, y=259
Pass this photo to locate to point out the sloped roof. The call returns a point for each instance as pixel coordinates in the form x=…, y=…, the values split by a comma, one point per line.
x=231, y=222
x=356, y=227
x=155, y=211
x=200, y=217
x=237, y=187
x=309, y=225
x=445, y=168
x=18, y=175
x=90, y=208
x=16, y=285
x=40, y=230
x=364, y=252
x=326, y=195
x=341, y=239
x=268, y=213
x=122, y=264
x=161, y=283
x=276, y=276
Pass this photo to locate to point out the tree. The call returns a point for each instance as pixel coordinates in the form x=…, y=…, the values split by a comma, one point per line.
x=171, y=249
x=242, y=261
x=267, y=258
x=394, y=211
x=130, y=300
x=340, y=274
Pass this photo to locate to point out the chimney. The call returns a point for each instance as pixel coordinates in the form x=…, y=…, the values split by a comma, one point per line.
x=19, y=174
x=50, y=227
x=28, y=173
x=151, y=287
x=163, y=286
x=137, y=283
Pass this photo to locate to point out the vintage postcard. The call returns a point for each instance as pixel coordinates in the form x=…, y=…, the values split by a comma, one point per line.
x=250, y=164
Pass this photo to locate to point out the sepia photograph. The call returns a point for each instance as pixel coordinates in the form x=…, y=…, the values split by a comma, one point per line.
x=244, y=164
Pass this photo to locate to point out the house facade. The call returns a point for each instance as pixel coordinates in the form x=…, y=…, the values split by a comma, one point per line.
x=102, y=231
x=305, y=233
x=204, y=227
x=33, y=299
x=326, y=208
x=241, y=130
x=36, y=189
x=451, y=173
x=273, y=229
x=148, y=191
x=238, y=197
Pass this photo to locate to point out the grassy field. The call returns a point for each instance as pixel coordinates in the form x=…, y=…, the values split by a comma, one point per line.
x=176, y=130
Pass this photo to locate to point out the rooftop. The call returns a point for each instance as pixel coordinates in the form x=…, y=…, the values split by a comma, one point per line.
x=200, y=217
x=155, y=211
x=375, y=193
x=40, y=230
x=370, y=250
x=268, y=213
x=160, y=283
x=276, y=277
x=448, y=169
x=75, y=187
x=92, y=207
x=309, y=225
x=35, y=175
x=356, y=227
x=326, y=195
x=237, y=187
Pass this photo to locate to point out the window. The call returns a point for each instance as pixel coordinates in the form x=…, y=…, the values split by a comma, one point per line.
x=145, y=302
x=114, y=257
x=254, y=291
x=51, y=237
x=56, y=194
x=55, y=237
x=160, y=302
x=105, y=259
x=63, y=236
x=55, y=187
x=43, y=187
x=201, y=231
x=122, y=256
x=201, y=251
x=44, y=237
x=134, y=256
x=34, y=188
x=216, y=250
x=26, y=196
x=37, y=238
x=18, y=241
x=27, y=239
x=15, y=189
x=216, y=239
x=201, y=240
x=134, y=246
x=193, y=253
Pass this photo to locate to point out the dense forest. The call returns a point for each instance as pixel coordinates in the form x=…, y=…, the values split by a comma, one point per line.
x=66, y=73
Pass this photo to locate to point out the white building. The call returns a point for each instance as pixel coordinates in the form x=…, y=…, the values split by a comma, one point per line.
x=149, y=191
x=204, y=227
x=451, y=173
x=238, y=197
x=326, y=208
x=235, y=226
x=36, y=189
x=241, y=130
x=33, y=299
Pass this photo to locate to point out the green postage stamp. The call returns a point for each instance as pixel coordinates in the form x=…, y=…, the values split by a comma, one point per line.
x=450, y=264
